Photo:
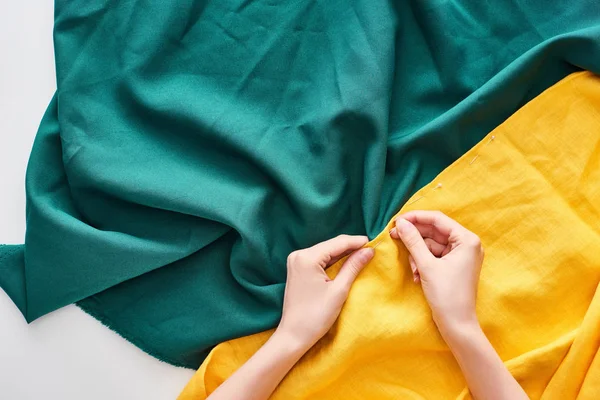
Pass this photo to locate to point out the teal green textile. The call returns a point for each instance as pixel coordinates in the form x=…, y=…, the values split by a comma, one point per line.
x=191, y=145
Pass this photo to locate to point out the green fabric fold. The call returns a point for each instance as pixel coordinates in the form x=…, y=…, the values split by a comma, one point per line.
x=191, y=146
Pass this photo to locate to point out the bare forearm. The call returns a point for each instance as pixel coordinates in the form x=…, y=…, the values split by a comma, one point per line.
x=311, y=304
x=484, y=371
x=260, y=375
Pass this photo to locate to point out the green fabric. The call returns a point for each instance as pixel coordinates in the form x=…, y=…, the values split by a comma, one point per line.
x=192, y=145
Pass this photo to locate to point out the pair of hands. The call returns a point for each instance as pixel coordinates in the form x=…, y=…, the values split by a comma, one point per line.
x=445, y=258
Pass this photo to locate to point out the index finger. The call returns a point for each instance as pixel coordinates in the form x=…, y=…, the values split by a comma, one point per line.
x=437, y=219
x=338, y=246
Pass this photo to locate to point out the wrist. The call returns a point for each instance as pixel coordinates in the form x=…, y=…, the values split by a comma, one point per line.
x=290, y=343
x=457, y=334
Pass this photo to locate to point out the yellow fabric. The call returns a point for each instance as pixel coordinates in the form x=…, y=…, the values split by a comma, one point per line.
x=531, y=190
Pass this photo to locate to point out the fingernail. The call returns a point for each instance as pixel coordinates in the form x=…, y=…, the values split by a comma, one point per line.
x=393, y=232
x=402, y=224
x=366, y=254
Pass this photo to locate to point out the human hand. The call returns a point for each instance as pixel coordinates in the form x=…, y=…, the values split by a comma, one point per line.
x=312, y=302
x=446, y=258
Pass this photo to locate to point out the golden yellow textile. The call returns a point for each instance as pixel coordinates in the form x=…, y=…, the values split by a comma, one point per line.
x=531, y=190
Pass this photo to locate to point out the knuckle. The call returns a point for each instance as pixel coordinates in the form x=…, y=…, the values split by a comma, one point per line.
x=293, y=258
x=438, y=213
x=474, y=241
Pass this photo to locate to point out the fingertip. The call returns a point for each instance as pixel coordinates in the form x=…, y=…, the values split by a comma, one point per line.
x=362, y=240
x=357, y=240
x=394, y=233
x=360, y=258
x=367, y=254
x=353, y=266
x=413, y=267
x=408, y=216
x=402, y=225
x=416, y=274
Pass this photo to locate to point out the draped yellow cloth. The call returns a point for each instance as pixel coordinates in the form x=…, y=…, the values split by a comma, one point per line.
x=531, y=191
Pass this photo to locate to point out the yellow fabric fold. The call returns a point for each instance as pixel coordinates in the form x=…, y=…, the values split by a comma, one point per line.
x=531, y=191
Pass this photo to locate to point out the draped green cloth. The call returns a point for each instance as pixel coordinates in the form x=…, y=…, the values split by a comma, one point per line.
x=191, y=145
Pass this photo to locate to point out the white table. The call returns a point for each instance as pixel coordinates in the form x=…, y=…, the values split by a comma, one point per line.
x=65, y=354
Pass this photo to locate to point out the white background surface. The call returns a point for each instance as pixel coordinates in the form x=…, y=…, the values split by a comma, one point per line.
x=66, y=354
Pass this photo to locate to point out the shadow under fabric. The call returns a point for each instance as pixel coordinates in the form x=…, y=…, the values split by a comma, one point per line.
x=192, y=145
x=531, y=190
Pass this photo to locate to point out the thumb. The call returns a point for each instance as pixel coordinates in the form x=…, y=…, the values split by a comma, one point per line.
x=414, y=242
x=352, y=267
